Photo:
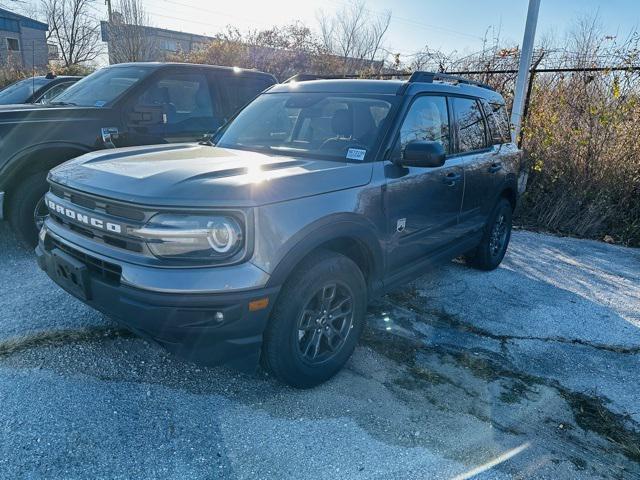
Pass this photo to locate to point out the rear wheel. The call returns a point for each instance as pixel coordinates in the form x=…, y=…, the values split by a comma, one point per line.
x=495, y=240
x=26, y=208
x=316, y=321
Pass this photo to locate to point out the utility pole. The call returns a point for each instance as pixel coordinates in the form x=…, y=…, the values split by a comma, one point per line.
x=108, y=3
x=523, y=69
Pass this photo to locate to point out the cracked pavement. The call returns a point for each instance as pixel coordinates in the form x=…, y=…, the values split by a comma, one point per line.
x=530, y=371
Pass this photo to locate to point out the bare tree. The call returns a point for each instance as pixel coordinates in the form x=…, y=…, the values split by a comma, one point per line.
x=356, y=35
x=74, y=29
x=129, y=40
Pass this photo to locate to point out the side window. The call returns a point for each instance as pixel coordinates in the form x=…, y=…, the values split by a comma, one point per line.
x=185, y=100
x=497, y=121
x=470, y=124
x=53, y=91
x=13, y=45
x=500, y=114
x=426, y=120
x=239, y=91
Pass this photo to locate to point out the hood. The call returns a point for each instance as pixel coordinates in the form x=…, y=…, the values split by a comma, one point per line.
x=192, y=175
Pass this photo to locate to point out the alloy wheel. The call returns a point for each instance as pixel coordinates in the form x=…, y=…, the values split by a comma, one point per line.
x=325, y=323
x=498, y=237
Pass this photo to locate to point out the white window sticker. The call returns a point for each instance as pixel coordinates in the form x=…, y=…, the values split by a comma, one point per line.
x=356, y=154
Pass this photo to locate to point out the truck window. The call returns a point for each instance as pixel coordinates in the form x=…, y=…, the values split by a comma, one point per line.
x=185, y=100
x=238, y=91
x=104, y=86
x=53, y=92
x=426, y=120
x=470, y=124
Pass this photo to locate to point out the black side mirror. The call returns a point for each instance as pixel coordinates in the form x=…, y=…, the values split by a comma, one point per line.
x=147, y=115
x=423, y=154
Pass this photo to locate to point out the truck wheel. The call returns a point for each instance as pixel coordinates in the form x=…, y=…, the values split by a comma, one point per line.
x=316, y=321
x=495, y=240
x=26, y=208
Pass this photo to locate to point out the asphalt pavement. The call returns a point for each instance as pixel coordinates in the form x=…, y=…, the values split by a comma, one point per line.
x=530, y=371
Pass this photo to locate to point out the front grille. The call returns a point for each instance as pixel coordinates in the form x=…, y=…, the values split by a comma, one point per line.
x=108, y=271
x=105, y=208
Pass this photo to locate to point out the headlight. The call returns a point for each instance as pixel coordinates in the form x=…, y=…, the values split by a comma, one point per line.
x=192, y=237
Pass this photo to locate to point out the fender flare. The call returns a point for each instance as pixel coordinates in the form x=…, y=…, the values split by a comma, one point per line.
x=16, y=162
x=334, y=227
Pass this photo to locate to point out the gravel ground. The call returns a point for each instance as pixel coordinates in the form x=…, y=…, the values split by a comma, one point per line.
x=530, y=371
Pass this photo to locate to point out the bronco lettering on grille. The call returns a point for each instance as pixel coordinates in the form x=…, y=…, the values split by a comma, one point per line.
x=82, y=218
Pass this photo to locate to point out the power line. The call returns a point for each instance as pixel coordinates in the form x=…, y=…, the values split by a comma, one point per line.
x=426, y=26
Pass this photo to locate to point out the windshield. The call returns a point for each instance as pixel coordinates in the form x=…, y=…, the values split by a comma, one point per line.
x=333, y=126
x=20, y=92
x=102, y=87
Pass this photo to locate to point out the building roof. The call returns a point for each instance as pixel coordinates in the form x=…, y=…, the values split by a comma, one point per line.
x=23, y=21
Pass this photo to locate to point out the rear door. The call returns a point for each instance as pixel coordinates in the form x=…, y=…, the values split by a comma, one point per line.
x=474, y=150
x=422, y=204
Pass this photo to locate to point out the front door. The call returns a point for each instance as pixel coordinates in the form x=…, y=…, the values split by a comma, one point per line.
x=422, y=204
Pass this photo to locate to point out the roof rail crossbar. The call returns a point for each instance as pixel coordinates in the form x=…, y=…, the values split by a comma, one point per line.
x=430, y=77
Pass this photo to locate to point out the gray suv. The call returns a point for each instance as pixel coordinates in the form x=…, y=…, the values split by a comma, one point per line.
x=267, y=242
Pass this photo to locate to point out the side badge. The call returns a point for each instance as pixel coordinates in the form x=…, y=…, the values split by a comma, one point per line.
x=401, y=224
x=109, y=134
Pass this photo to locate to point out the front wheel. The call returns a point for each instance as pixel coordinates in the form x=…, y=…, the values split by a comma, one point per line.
x=316, y=321
x=495, y=240
x=26, y=209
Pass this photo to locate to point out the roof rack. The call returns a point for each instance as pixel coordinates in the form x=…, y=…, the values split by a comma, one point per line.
x=305, y=77
x=430, y=77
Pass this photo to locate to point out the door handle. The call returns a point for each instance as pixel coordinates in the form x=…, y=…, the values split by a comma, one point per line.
x=451, y=178
x=495, y=167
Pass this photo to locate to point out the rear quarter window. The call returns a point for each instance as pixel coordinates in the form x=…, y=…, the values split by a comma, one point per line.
x=498, y=122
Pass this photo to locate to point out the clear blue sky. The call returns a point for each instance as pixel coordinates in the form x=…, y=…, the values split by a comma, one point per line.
x=441, y=24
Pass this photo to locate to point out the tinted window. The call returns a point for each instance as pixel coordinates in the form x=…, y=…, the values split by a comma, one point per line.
x=20, y=91
x=498, y=122
x=185, y=100
x=320, y=124
x=239, y=91
x=54, y=91
x=471, y=127
x=427, y=120
x=103, y=86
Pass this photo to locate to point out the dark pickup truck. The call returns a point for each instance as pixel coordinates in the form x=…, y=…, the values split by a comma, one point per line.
x=122, y=105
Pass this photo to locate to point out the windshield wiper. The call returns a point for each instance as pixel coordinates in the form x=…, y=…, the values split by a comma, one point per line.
x=63, y=104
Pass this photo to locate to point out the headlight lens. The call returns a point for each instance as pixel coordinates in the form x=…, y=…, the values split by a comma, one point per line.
x=192, y=237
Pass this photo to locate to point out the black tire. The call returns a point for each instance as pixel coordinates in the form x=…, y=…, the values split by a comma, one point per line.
x=495, y=240
x=285, y=338
x=22, y=204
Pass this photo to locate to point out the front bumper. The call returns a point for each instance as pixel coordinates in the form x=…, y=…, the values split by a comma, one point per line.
x=187, y=324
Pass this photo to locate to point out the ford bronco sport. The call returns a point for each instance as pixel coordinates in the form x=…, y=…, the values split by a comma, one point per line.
x=122, y=105
x=315, y=198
